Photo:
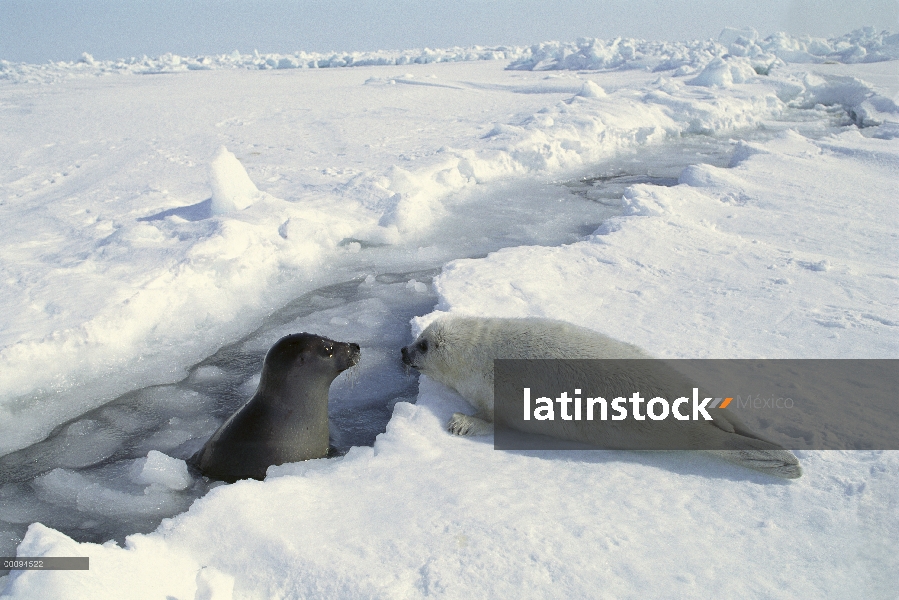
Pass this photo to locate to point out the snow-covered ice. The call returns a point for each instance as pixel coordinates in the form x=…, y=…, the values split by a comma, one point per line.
x=722, y=199
x=751, y=240
x=87, y=66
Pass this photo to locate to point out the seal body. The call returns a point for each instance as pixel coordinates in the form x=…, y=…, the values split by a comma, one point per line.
x=286, y=420
x=459, y=352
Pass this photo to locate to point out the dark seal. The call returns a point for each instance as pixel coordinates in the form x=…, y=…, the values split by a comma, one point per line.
x=286, y=420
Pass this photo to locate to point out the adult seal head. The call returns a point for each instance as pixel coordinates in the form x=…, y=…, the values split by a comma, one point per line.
x=286, y=420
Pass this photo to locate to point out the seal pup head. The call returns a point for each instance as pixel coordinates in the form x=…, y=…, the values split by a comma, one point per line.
x=414, y=354
x=426, y=353
x=458, y=352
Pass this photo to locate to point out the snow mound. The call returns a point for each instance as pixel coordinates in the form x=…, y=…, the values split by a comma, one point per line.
x=591, y=90
x=232, y=188
x=212, y=584
x=859, y=99
x=87, y=66
x=862, y=45
x=620, y=53
x=724, y=73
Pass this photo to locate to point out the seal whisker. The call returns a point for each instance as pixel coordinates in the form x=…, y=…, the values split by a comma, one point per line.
x=352, y=375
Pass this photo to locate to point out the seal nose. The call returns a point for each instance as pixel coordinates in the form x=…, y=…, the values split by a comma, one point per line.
x=405, y=353
x=355, y=353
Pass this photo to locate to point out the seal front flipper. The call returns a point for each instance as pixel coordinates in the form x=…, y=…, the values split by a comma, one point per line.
x=462, y=424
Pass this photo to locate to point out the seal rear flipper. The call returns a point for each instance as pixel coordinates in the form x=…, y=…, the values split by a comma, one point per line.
x=780, y=463
x=731, y=423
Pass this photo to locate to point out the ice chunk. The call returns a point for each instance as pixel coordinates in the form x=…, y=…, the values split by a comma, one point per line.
x=232, y=188
x=207, y=373
x=591, y=90
x=87, y=442
x=96, y=495
x=162, y=470
x=724, y=73
x=417, y=286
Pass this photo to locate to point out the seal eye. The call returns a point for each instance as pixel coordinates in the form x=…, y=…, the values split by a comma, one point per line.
x=328, y=350
x=423, y=346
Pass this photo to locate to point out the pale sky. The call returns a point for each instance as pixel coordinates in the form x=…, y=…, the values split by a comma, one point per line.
x=41, y=30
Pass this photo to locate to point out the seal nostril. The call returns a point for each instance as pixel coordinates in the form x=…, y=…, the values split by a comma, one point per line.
x=407, y=357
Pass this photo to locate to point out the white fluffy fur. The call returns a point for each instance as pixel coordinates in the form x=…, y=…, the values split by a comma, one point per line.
x=462, y=350
x=459, y=352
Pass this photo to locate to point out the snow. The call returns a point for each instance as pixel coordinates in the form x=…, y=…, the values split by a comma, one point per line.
x=166, y=264
x=864, y=45
x=704, y=199
x=861, y=46
x=232, y=188
x=722, y=73
x=427, y=514
x=591, y=90
x=759, y=241
x=87, y=66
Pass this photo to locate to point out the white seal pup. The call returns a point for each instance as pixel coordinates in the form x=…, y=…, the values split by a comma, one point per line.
x=286, y=420
x=459, y=352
